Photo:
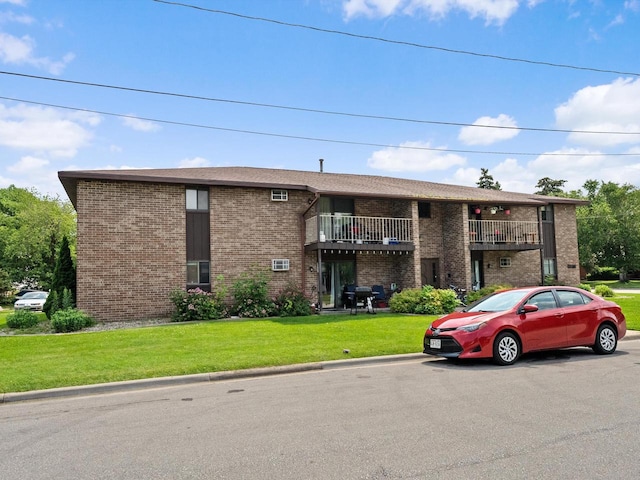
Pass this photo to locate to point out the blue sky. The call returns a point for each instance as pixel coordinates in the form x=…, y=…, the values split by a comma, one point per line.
x=238, y=62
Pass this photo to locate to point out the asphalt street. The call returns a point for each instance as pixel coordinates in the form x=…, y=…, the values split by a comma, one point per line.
x=557, y=415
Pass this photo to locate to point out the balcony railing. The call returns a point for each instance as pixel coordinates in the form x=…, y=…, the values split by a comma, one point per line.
x=503, y=231
x=357, y=229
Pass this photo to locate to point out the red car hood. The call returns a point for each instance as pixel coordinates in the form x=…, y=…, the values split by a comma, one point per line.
x=458, y=319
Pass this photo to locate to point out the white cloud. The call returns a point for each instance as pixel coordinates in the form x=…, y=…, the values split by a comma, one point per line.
x=488, y=136
x=15, y=2
x=21, y=51
x=139, y=124
x=34, y=173
x=493, y=11
x=194, y=162
x=414, y=158
x=10, y=17
x=610, y=107
x=633, y=5
x=39, y=129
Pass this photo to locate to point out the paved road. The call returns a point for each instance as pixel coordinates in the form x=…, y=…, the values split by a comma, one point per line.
x=567, y=415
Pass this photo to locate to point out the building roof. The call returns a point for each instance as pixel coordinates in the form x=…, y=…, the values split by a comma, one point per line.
x=322, y=183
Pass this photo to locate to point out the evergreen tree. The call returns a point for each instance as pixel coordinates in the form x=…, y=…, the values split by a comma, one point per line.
x=64, y=278
x=487, y=181
x=550, y=187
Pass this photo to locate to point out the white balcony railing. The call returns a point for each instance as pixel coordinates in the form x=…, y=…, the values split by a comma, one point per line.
x=357, y=229
x=503, y=231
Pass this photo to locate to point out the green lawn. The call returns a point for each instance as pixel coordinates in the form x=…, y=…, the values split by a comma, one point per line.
x=31, y=362
x=631, y=284
x=46, y=361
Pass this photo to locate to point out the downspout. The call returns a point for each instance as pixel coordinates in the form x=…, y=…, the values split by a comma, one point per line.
x=540, y=236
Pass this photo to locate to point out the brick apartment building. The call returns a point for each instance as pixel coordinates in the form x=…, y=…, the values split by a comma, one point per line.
x=144, y=233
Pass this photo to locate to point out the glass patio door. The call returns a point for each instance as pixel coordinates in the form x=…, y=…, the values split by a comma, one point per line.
x=335, y=275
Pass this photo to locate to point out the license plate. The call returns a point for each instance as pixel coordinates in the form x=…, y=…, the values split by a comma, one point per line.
x=435, y=343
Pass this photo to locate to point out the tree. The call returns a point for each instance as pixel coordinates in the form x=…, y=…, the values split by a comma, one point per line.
x=608, y=231
x=64, y=280
x=486, y=181
x=548, y=186
x=31, y=231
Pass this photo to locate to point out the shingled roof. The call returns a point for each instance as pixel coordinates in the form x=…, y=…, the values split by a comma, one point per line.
x=323, y=183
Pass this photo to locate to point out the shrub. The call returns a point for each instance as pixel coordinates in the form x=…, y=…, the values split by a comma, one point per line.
x=196, y=305
x=405, y=301
x=484, y=291
x=292, y=302
x=603, y=291
x=70, y=320
x=66, y=302
x=22, y=319
x=251, y=295
x=604, y=273
x=52, y=305
x=426, y=300
x=585, y=286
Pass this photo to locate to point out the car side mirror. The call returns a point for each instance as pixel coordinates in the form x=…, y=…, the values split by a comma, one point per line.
x=528, y=309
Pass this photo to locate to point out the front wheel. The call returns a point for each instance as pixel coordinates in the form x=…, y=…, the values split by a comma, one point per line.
x=606, y=340
x=506, y=349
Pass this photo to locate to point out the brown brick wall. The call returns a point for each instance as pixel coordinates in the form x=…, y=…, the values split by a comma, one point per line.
x=566, y=244
x=248, y=230
x=130, y=248
x=457, y=257
x=524, y=269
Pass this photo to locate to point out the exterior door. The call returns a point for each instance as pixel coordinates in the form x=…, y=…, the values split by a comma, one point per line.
x=430, y=271
x=335, y=275
x=477, y=282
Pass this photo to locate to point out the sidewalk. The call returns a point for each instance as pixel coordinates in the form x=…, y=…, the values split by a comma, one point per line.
x=114, y=387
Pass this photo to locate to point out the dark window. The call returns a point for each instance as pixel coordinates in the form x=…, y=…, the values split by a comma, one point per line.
x=198, y=273
x=424, y=209
x=197, y=199
x=571, y=299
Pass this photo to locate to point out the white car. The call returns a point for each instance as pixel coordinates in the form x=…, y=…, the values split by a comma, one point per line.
x=31, y=301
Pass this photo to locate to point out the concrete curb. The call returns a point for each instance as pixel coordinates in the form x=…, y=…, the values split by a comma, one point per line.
x=114, y=387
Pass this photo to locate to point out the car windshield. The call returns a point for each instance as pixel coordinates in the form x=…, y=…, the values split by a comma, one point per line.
x=32, y=295
x=499, y=302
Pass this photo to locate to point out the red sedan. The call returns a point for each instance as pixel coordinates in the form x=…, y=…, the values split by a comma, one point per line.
x=507, y=324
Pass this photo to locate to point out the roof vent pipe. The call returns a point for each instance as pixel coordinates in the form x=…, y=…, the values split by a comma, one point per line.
x=321, y=164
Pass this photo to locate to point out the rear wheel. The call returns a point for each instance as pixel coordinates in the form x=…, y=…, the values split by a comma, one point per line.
x=606, y=340
x=506, y=349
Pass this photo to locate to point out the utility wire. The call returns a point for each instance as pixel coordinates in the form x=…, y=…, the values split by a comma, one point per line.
x=311, y=110
x=399, y=42
x=319, y=139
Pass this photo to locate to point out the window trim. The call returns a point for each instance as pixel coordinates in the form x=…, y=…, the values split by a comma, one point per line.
x=279, y=195
x=280, y=264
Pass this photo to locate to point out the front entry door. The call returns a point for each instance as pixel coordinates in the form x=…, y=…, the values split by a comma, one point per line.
x=335, y=275
x=477, y=280
x=429, y=271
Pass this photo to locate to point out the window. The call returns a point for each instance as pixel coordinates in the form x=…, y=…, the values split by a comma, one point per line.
x=544, y=301
x=197, y=273
x=197, y=199
x=571, y=299
x=505, y=262
x=549, y=266
x=280, y=264
x=547, y=213
x=424, y=209
x=279, y=195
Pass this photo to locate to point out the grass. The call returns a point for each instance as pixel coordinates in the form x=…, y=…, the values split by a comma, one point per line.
x=33, y=362
x=631, y=284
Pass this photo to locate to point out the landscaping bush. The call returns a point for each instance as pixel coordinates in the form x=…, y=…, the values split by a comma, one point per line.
x=585, y=286
x=70, y=320
x=197, y=305
x=425, y=301
x=292, y=302
x=251, y=295
x=603, y=291
x=484, y=291
x=604, y=273
x=405, y=301
x=22, y=319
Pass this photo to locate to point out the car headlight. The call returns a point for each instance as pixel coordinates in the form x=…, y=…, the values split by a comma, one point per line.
x=473, y=327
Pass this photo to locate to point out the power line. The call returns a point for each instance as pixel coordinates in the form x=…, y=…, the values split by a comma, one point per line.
x=310, y=110
x=319, y=139
x=399, y=42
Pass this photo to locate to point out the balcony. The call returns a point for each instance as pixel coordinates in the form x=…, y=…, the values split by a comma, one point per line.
x=351, y=232
x=503, y=235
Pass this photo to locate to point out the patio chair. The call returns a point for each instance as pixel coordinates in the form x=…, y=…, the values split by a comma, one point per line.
x=379, y=295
